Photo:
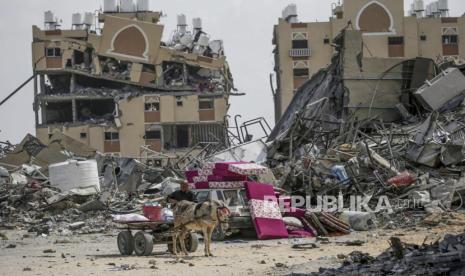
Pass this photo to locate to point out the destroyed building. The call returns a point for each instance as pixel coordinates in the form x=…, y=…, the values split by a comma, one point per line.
x=303, y=48
x=111, y=83
x=404, y=115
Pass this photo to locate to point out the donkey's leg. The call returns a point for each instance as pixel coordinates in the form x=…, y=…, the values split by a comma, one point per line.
x=182, y=239
x=206, y=240
x=210, y=233
x=175, y=247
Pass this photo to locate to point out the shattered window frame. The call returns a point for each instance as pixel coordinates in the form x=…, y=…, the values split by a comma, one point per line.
x=450, y=39
x=396, y=40
x=300, y=44
x=53, y=52
x=210, y=104
x=179, y=102
x=300, y=72
x=154, y=134
x=111, y=136
x=152, y=107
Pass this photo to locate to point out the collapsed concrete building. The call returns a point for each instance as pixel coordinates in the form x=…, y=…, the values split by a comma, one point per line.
x=111, y=83
x=303, y=48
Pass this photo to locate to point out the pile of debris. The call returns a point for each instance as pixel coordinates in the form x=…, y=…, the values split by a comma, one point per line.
x=411, y=151
x=55, y=188
x=5, y=148
x=440, y=258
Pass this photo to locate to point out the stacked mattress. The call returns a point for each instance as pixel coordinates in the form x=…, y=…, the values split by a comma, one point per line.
x=223, y=175
x=263, y=204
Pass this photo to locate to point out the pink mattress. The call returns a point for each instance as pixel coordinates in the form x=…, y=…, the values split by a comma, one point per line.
x=300, y=233
x=218, y=185
x=295, y=212
x=216, y=178
x=266, y=215
x=191, y=173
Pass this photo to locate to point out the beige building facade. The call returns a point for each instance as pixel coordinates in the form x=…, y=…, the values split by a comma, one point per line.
x=302, y=49
x=117, y=87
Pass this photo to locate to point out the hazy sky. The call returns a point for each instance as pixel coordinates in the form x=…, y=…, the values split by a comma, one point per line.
x=244, y=25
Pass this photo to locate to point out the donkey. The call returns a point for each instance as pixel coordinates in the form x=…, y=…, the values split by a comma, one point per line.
x=205, y=216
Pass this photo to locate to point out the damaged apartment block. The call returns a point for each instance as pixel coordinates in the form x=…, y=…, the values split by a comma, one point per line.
x=111, y=83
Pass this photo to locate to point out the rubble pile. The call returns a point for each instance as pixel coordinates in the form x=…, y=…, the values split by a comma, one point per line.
x=440, y=258
x=52, y=198
x=5, y=148
x=411, y=154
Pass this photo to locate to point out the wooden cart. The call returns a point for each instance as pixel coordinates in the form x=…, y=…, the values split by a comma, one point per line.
x=147, y=234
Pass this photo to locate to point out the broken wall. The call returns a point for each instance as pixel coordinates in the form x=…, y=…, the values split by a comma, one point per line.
x=127, y=39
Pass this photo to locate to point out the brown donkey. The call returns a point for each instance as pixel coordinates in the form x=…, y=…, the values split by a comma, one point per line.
x=204, y=217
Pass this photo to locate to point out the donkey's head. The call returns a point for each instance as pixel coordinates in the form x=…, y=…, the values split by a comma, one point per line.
x=220, y=212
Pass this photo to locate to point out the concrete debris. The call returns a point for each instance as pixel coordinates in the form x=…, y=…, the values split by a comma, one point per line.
x=324, y=146
x=439, y=258
x=439, y=91
x=76, y=225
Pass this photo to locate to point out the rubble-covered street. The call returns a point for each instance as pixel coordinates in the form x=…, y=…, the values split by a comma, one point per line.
x=96, y=254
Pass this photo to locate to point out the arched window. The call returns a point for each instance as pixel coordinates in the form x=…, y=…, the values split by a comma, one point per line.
x=130, y=41
x=375, y=18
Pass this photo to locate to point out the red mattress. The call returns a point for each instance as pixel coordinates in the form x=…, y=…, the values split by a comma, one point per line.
x=266, y=215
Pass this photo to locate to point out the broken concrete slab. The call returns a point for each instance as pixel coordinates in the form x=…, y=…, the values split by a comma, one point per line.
x=449, y=84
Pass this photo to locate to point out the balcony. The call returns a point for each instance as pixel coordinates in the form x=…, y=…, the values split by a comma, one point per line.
x=301, y=52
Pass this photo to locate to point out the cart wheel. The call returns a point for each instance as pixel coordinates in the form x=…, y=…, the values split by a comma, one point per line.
x=143, y=243
x=125, y=243
x=192, y=242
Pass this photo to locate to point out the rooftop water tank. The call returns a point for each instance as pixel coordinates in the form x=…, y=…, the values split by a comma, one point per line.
x=290, y=13
x=182, y=20
x=443, y=5
x=203, y=40
x=216, y=46
x=197, y=23
x=76, y=19
x=292, y=10
x=110, y=6
x=74, y=174
x=418, y=5
x=49, y=17
x=143, y=5
x=89, y=19
x=434, y=7
x=428, y=10
x=186, y=40
x=127, y=6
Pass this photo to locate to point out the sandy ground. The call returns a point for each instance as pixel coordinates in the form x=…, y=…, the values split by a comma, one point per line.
x=99, y=255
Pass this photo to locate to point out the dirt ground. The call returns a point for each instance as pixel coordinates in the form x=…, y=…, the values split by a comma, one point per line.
x=98, y=254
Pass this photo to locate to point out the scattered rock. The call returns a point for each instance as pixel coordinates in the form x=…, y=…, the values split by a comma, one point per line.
x=65, y=240
x=354, y=243
x=304, y=246
x=76, y=225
